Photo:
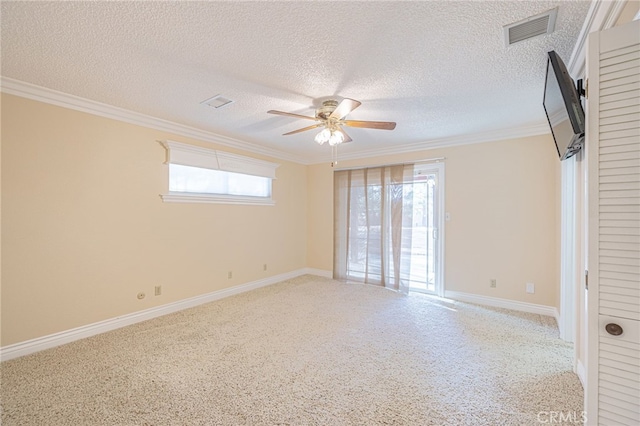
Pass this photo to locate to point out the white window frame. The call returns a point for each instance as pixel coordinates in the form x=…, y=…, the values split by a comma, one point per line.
x=195, y=156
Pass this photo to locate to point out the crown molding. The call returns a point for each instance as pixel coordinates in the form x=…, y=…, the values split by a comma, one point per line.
x=602, y=15
x=490, y=136
x=42, y=94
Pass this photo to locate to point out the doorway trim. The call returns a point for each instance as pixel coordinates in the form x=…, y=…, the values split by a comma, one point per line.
x=568, y=251
x=438, y=169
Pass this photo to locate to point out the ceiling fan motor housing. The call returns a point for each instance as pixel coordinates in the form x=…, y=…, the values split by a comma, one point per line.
x=325, y=110
x=331, y=115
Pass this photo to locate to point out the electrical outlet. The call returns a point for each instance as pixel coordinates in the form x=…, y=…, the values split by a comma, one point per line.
x=531, y=288
x=158, y=290
x=230, y=275
x=493, y=283
x=264, y=267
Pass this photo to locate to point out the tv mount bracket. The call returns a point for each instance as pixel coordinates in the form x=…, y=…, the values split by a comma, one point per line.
x=580, y=89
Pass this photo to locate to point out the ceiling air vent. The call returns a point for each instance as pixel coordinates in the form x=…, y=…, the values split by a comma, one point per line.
x=531, y=27
x=217, y=101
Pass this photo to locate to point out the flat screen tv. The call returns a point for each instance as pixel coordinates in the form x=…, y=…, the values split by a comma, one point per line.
x=562, y=105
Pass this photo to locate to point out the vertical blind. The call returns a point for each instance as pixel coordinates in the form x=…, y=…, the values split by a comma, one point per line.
x=372, y=210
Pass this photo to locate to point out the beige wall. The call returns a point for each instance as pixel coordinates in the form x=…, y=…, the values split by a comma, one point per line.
x=628, y=13
x=320, y=210
x=84, y=229
x=503, y=201
x=0, y=225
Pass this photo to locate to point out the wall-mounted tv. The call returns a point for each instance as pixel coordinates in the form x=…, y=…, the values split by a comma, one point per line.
x=562, y=105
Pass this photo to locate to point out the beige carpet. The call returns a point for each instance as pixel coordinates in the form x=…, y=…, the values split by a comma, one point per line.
x=308, y=351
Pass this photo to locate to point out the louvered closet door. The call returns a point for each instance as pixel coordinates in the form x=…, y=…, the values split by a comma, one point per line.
x=613, y=150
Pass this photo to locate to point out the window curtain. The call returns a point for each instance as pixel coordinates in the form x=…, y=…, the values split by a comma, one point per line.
x=373, y=219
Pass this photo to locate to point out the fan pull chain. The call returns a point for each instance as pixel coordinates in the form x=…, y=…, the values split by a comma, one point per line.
x=334, y=155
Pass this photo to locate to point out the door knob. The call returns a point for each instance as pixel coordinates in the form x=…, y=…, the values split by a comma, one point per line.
x=613, y=329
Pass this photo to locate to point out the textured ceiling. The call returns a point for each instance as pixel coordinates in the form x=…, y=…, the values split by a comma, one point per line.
x=438, y=68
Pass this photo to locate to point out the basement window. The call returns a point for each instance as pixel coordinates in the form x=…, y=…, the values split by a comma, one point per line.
x=201, y=175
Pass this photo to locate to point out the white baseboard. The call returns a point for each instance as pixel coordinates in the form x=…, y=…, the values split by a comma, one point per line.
x=319, y=272
x=502, y=303
x=41, y=343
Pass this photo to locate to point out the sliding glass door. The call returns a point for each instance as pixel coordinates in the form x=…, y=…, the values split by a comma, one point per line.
x=426, y=253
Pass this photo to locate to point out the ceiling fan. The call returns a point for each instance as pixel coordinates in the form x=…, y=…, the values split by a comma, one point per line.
x=331, y=115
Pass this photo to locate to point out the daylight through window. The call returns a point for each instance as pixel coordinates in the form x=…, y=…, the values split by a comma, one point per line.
x=207, y=176
x=206, y=181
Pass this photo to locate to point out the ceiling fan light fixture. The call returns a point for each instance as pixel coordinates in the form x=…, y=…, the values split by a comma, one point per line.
x=323, y=137
x=330, y=116
x=336, y=138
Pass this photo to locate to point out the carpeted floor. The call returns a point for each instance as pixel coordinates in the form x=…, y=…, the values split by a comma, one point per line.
x=308, y=351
